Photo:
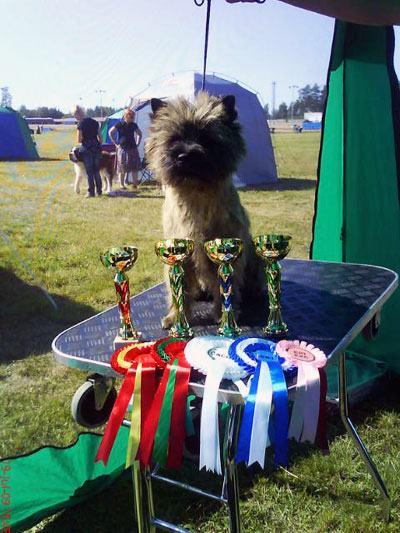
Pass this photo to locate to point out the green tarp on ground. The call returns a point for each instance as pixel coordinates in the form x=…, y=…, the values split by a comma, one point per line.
x=357, y=215
x=50, y=479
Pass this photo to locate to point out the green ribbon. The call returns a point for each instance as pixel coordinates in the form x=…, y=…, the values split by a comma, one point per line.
x=161, y=439
x=189, y=426
x=134, y=433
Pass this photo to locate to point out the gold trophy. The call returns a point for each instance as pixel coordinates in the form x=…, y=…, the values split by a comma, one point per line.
x=173, y=253
x=122, y=259
x=223, y=252
x=273, y=248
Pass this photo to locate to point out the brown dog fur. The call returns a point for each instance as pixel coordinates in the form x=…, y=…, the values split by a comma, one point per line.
x=193, y=149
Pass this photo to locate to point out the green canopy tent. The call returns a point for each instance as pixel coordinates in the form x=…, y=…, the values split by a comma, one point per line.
x=357, y=215
x=15, y=138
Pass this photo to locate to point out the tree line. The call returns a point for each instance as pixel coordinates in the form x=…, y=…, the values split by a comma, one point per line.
x=310, y=98
x=55, y=113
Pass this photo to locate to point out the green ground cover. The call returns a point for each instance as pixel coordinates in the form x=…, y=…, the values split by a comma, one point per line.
x=59, y=235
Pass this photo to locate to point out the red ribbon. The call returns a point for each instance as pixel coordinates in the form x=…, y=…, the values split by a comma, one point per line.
x=171, y=349
x=322, y=430
x=178, y=429
x=150, y=426
x=133, y=355
x=117, y=416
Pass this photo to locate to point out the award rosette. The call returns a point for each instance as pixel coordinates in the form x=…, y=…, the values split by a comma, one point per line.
x=309, y=407
x=136, y=362
x=268, y=387
x=210, y=356
x=164, y=431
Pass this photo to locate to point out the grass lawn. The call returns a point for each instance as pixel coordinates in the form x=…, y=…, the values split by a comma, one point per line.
x=57, y=236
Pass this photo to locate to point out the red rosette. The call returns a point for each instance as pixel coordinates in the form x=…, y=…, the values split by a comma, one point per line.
x=129, y=360
x=166, y=443
x=167, y=349
x=123, y=358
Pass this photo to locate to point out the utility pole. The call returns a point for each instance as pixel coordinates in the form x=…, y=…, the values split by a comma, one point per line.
x=101, y=92
x=273, y=98
x=293, y=87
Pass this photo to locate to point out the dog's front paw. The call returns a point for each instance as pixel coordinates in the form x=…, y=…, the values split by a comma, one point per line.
x=167, y=321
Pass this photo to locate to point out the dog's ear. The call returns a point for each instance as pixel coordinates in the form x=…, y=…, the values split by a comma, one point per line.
x=229, y=107
x=156, y=104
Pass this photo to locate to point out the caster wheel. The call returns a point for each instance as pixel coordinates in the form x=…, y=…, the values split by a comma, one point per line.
x=83, y=407
x=370, y=331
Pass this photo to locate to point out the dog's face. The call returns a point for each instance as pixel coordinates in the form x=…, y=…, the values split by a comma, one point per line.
x=73, y=155
x=194, y=143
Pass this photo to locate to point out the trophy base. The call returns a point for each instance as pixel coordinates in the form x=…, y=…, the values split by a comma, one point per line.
x=276, y=332
x=119, y=342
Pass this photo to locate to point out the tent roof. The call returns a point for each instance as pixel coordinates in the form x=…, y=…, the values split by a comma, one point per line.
x=258, y=166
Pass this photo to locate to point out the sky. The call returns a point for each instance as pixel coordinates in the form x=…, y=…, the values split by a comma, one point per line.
x=58, y=53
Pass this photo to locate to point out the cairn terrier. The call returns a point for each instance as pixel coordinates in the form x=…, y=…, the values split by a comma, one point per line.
x=193, y=150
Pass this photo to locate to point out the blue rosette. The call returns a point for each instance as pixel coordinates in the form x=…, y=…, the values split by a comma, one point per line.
x=268, y=387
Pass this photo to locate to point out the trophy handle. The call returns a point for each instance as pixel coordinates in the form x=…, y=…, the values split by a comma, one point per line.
x=181, y=327
x=228, y=327
x=275, y=327
x=121, y=282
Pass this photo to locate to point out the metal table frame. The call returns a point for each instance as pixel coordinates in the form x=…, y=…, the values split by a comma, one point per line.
x=144, y=504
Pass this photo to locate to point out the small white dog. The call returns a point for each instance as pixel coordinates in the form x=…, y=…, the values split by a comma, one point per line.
x=107, y=170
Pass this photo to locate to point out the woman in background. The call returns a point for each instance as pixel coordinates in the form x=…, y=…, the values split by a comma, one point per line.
x=129, y=137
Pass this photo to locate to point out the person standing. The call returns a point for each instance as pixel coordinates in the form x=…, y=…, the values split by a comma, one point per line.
x=89, y=135
x=129, y=137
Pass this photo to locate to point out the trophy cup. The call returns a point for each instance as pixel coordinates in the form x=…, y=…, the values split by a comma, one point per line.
x=173, y=253
x=122, y=259
x=273, y=248
x=223, y=252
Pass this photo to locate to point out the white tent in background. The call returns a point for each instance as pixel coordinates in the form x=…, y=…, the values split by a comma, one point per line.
x=258, y=167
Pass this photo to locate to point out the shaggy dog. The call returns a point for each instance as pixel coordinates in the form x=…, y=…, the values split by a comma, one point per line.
x=107, y=170
x=193, y=150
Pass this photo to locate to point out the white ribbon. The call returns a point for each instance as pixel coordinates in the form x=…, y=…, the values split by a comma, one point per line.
x=311, y=405
x=297, y=419
x=209, y=431
x=259, y=434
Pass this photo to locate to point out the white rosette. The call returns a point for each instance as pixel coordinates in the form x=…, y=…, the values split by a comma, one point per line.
x=209, y=355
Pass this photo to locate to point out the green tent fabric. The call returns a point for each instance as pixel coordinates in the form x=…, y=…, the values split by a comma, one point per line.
x=15, y=139
x=50, y=479
x=357, y=215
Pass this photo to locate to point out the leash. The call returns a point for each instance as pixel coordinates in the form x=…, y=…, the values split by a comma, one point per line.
x=199, y=3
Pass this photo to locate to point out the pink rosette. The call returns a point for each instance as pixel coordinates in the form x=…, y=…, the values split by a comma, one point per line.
x=309, y=408
x=300, y=352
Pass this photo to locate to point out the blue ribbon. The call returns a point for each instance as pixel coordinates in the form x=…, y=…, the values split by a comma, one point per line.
x=243, y=449
x=281, y=414
x=279, y=430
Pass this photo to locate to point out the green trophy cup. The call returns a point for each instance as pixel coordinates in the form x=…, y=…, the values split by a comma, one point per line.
x=223, y=252
x=273, y=248
x=122, y=259
x=173, y=253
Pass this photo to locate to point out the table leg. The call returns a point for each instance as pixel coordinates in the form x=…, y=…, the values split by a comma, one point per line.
x=344, y=413
x=231, y=481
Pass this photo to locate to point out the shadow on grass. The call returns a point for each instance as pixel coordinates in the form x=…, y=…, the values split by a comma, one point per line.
x=284, y=184
x=136, y=194
x=52, y=159
x=28, y=321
